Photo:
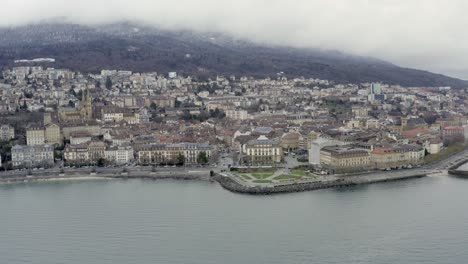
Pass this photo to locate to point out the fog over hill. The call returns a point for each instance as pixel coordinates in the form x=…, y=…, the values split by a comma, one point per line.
x=129, y=46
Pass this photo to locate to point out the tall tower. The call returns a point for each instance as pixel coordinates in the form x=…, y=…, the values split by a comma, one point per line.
x=86, y=110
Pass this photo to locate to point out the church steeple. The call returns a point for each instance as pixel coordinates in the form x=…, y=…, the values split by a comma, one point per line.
x=86, y=105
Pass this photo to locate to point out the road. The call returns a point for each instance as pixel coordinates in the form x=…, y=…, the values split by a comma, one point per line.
x=106, y=170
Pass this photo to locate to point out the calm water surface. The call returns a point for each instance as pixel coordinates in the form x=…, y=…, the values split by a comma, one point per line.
x=418, y=221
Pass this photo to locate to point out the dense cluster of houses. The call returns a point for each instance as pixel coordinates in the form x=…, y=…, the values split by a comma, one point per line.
x=122, y=117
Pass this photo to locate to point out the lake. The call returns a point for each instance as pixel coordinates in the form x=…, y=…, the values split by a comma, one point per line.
x=137, y=221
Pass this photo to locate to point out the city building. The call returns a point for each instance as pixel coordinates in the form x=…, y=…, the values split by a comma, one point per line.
x=83, y=112
x=291, y=141
x=317, y=145
x=80, y=137
x=52, y=134
x=263, y=151
x=35, y=135
x=96, y=151
x=237, y=114
x=453, y=132
x=119, y=154
x=76, y=154
x=7, y=133
x=393, y=157
x=32, y=156
x=344, y=157
x=154, y=154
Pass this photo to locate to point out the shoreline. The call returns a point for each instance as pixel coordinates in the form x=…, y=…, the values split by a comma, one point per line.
x=77, y=176
x=232, y=185
x=226, y=182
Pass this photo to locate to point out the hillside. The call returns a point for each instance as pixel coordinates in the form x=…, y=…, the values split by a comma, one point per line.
x=138, y=48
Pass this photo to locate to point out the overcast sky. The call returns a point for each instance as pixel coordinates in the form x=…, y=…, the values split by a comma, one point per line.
x=424, y=34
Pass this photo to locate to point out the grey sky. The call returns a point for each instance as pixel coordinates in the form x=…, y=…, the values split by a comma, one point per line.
x=424, y=34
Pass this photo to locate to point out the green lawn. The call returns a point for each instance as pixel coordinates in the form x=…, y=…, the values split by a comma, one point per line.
x=245, y=177
x=299, y=172
x=445, y=153
x=261, y=176
x=287, y=177
x=261, y=181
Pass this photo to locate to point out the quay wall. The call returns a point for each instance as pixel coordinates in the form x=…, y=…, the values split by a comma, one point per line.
x=233, y=186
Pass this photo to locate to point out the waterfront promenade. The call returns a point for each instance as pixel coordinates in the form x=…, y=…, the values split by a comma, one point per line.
x=106, y=173
x=232, y=181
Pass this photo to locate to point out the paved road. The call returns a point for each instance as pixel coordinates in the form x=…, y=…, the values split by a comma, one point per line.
x=84, y=171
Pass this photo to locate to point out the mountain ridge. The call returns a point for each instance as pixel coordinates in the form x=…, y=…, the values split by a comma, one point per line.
x=128, y=46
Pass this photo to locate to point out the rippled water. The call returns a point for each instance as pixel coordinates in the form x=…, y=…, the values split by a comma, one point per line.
x=418, y=221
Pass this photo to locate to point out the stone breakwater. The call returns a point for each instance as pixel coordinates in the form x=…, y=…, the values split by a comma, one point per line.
x=234, y=186
x=455, y=171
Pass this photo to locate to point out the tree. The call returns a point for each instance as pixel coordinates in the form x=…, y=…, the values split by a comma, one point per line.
x=108, y=83
x=72, y=92
x=101, y=162
x=153, y=106
x=202, y=158
x=79, y=95
x=180, y=159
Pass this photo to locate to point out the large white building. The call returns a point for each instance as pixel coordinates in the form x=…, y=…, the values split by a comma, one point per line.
x=32, y=156
x=237, y=114
x=119, y=154
x=153, y=154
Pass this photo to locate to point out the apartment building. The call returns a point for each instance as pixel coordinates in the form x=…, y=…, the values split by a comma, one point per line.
x=32, y=156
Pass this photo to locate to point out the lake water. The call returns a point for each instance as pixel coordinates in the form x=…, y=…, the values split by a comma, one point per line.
x=417, y=221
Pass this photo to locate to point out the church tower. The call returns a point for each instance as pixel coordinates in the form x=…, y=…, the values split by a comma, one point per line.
x=86, y=110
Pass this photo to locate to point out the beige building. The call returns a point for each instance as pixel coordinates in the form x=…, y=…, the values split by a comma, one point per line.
x=79, y=137
x=360, y=111
x=53, y=135
x=35, y=135
x=238, y=114
x=405, y=155
x=96, y=150
x=344, y=157
x=355, y=123
x=93, y=130
x=263, y=151
x=153, y=154
x=161, y=101
x=292, y=141
x=76, y=154
x=85, y=153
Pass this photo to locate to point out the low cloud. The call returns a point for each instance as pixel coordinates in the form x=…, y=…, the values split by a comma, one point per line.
x=424, y=34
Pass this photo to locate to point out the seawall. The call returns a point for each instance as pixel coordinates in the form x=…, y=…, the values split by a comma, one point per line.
x=84, y=175
x=233, y=186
